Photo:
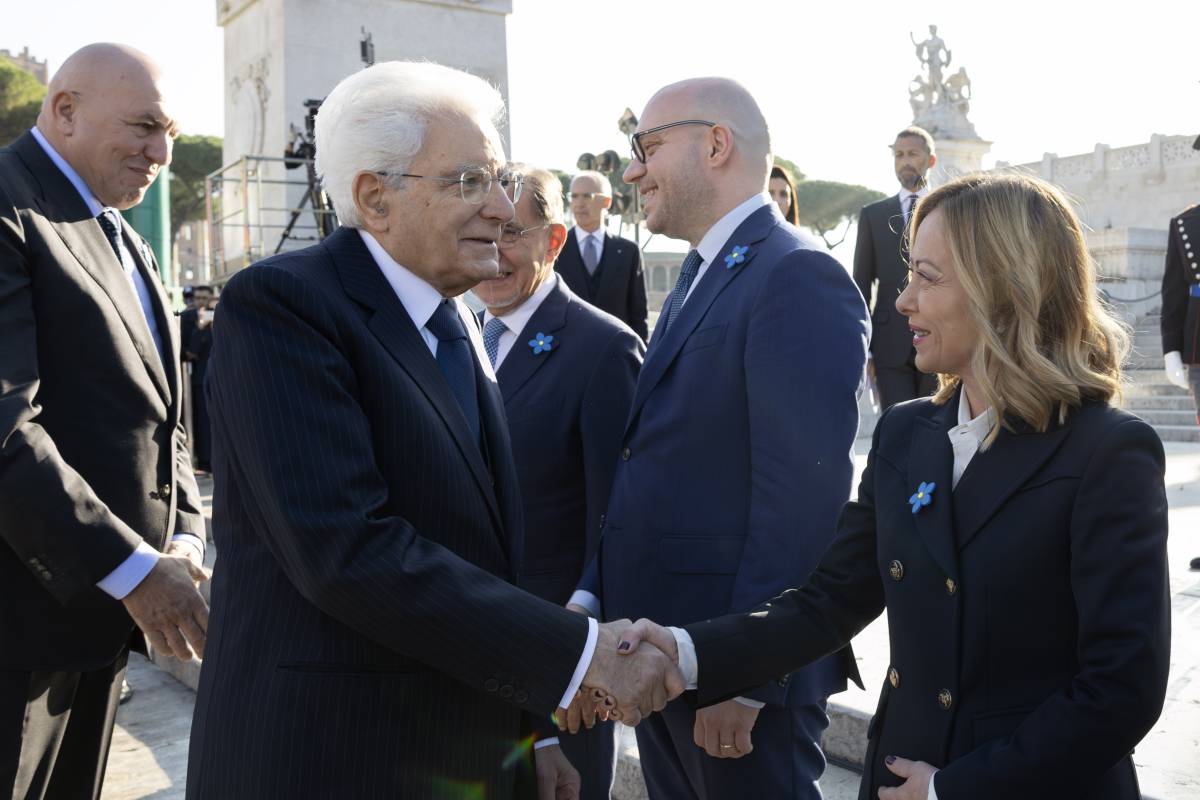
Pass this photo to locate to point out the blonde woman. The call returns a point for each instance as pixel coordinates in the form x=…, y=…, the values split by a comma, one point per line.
x=1013, y=526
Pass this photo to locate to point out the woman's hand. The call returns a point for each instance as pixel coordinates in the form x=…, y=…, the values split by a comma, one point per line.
x=918, y=775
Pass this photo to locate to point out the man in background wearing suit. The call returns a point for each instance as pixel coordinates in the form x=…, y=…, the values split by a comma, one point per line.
x=566, y=371
x=737, y=455
x=95, y=478
x=367, y=639
x=604, y=270
x=881, y=267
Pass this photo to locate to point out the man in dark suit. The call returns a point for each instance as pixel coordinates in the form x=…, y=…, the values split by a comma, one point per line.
x=604, y=270
x=566, y=371
x=881, y=267
x=366, y=507
x=95, y=478
x=737, y=455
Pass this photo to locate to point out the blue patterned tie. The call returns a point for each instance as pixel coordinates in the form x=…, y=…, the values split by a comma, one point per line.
x=687, y=274
x=455, y=361
x=591, y=255
x=491, y=338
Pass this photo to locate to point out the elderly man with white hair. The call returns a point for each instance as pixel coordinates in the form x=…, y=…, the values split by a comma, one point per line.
x=366, y=638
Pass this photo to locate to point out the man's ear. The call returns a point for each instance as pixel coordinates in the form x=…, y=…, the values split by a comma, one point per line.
x=720, y=144
x=932, y=160
x=557, y=238
x=607, y=202
x=369, y=191
x=64, y=111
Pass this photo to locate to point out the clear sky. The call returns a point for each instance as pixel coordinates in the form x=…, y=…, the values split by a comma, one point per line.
x=832, y=77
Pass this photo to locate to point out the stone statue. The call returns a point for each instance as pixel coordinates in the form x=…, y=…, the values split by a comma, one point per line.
x=933, y=54
x=940, y=104
x=958, y=91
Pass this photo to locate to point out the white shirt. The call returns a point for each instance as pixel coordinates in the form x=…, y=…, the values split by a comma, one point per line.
x=420, y=300
x=580, y=239
x=516, y=320
x=965, y=439
x=905, y=194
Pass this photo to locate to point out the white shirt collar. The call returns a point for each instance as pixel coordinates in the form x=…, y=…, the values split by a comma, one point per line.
x=519, y=317
x=979, y=426
x=905, y=193
x=419, y=299
x=710, y=246
x=581, y=234
x=80, y=185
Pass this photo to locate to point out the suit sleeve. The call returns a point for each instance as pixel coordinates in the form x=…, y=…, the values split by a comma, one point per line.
x=1119, y=582
x=638, y=313
x=738, y=652
x=864, y=257
x=49, y=515
x=805, y=351
x=283, y=389
x=1174, y=295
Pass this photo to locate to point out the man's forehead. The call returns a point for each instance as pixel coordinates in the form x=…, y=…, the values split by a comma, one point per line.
x=909, y=143
x=586, y=183
x=458, y=142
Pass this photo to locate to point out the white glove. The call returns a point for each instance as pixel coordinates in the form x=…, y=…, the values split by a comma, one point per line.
x=1177, y=373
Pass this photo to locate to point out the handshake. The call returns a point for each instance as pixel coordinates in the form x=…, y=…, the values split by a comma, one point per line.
x=634, y=672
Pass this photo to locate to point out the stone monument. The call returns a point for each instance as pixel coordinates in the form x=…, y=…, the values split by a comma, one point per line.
x=940, y=102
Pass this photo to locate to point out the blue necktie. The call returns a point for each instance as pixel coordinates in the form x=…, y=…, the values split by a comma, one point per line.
x=455, y=361
x=687, y=274
x=591, y=255
x=110, y=223
x=491, y=338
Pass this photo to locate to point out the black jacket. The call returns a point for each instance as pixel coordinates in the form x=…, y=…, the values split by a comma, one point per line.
x=619, y=284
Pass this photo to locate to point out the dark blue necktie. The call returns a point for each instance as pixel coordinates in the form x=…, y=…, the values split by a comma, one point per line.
x=687, y=274
x=455, y=361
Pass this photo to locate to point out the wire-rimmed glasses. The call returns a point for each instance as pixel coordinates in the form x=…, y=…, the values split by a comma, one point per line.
x=475, y=183
x=635, y=141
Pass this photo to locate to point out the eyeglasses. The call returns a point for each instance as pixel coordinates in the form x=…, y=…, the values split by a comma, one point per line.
x=589, y=196
x=475, y=184
x=635, y=141
x=511, y=234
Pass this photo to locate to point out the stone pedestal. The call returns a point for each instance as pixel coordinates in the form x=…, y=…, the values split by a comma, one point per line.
x=957, y=157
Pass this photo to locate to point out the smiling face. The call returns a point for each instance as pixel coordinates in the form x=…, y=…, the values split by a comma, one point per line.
x=525, y=263
x=944, y=335
x=912, y=161
x=430, y=229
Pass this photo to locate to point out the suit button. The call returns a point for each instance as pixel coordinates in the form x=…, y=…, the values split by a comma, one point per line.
x=521, y=697
x=625, y=454
x=491, y=685
x=602, y=516
x=951, y=586
x=782, y=682
x=164, y=491
x=945, y=700
x=896, y=570
x=506, y=691
x=893, y=677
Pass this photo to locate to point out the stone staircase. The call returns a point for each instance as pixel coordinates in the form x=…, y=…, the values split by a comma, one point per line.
x=1148, y=394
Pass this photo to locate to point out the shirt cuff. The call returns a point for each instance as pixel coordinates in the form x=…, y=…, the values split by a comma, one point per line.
x=687, y=657
x=130, y=572
x=585, y=661
x=192, y=539
x=540, y=743
x=932, y=792
x=746, y=701
x=587, y=600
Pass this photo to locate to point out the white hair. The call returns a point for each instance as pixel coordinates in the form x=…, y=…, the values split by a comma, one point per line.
x=375, y=120
x=598, y=177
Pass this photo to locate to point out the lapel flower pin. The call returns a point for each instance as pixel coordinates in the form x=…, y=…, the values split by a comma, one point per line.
x=541, y=343
x=922, y=497
x=736, y=256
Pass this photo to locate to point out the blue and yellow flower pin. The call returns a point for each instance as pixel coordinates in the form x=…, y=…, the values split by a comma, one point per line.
x=922, y=497
x=736, y=256
x=541, y=343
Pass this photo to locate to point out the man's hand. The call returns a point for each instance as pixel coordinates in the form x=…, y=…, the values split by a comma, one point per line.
x=631, y=686
x=918, y=775
x=723, y=730
x=556, y=778
x=647, y=630
x=1177, y=373
x=583, y=712
x=191, y=553
x=168, y=607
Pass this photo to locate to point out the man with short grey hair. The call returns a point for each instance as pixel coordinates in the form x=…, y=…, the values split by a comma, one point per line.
x=603, y=269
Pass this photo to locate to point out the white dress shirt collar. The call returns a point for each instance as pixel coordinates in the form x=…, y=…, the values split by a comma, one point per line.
x=80, y=185
x=581, y=237
x=516, y=320
x=710, y=246
x=904, y=194
x=967, y=436
x=419, y=299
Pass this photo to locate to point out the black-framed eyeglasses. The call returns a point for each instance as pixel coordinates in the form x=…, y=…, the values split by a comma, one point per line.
x=475, y=184
x=511, y=234
x=635, y=141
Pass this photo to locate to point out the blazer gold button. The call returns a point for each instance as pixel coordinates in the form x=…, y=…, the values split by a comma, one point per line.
x=164, y=491
x=945, y=700
x=625, y=454
x=951, y=586
x=896, y=570
x=893, y=677
x=491, y=685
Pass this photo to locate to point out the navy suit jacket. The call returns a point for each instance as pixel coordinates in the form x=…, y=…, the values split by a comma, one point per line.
x=1028, y=609
x=737, y=455
x=566, y=411
x=619, y=285
x=364, y=639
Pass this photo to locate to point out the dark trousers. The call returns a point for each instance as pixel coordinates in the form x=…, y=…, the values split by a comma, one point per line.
x=201, y=427
x=594, y=754
x=905, y=382
x=55, y=730
x=786, y=761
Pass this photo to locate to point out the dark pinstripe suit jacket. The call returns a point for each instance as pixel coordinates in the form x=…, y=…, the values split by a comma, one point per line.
x=364, y=634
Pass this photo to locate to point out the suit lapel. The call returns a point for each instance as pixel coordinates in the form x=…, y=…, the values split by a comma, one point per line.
x=396, y=331
x=994, y=475
x=521, y=362
x=168, y=331
x=570, y=266
x=664, y=348
x=931, y=460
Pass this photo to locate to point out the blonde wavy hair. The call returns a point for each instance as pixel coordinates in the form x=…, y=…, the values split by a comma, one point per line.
x=1047, y=342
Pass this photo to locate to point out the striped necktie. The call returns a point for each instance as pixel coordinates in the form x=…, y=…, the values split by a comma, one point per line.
x=492, y=332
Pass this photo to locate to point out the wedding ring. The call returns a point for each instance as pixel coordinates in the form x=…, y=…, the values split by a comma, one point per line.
x=729, y=747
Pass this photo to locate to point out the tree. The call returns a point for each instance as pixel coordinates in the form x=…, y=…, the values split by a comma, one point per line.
x=20, y=101
x=194, y=158
x=826, y=205
x=796, y=173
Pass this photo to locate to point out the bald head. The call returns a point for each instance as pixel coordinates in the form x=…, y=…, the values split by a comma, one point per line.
x=725, y=102
x=106, y=116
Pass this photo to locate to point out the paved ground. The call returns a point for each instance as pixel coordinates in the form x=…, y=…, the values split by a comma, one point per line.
x=149, y=753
